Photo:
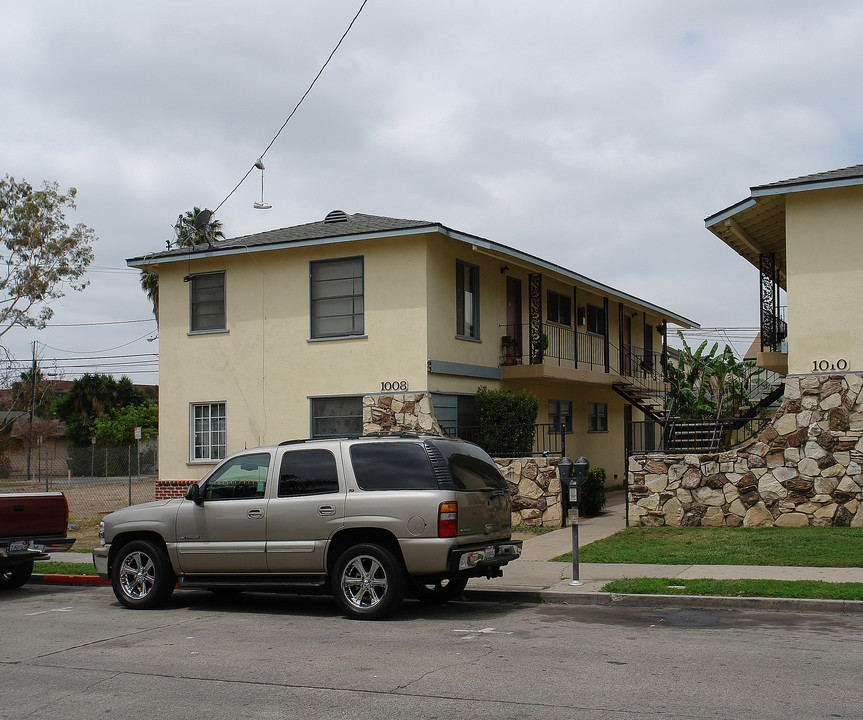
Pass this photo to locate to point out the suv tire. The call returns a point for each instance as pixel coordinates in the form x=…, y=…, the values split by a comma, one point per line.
x=15, y=577
x=368, y=581
x=141, y=576
x=440, y=591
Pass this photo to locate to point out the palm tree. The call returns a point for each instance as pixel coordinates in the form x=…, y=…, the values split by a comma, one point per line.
x=150, y=285
x=187, y=236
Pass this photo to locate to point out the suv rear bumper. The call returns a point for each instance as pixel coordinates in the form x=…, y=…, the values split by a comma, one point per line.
x=479, y=559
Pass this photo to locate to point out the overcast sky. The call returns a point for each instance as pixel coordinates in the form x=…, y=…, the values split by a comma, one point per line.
x=597, y=135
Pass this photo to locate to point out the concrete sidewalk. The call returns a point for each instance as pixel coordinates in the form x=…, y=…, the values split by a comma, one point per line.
x=534, y=578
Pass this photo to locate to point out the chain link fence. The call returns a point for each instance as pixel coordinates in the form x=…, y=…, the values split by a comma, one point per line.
x=95, y=480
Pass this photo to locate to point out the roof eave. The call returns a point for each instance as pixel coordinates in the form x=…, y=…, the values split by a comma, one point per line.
x=474, y=240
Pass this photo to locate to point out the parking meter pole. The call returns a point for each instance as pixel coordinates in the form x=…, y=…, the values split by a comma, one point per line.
x=575, y=580
x=579, y=470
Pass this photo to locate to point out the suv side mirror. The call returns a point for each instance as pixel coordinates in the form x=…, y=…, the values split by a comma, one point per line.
x=194, y=494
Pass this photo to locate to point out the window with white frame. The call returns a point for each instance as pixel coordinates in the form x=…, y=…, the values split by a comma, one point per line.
x=337, y=297
x=466, y=300
x=559, y=308
x=337, y=417
x=597, y=417
x=207, y=302
x=208, y=437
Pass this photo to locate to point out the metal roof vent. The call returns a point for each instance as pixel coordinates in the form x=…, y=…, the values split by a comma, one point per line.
x=336, y=216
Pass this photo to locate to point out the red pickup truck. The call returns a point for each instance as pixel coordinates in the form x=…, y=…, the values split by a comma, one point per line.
x=30, y=525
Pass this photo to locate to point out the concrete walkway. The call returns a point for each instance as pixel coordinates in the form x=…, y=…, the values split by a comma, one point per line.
x=534, y=578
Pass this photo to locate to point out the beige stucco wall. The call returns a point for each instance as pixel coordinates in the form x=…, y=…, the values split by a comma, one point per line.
x=825, y=280
x=264, y=367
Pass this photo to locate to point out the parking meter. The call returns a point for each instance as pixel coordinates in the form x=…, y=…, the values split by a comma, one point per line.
x=572, y=475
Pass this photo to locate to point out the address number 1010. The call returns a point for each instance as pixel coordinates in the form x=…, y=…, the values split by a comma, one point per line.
x=828, y=365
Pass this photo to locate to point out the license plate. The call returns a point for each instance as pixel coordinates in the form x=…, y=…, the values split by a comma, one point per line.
x=489, y=553
x=19, y=546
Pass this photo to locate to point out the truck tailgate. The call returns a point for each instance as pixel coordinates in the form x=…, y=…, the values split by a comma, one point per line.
x=33, y=514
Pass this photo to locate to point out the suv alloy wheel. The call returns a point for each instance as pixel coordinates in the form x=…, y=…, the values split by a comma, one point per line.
x=368, y=581
x=142, y=577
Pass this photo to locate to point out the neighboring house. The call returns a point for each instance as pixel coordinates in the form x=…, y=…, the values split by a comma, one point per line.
x=806, y=466
x=281, y=335
x=804, y=237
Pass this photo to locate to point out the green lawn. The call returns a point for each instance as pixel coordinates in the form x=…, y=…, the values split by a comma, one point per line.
x=738, y=588
x=798, y=547
x=52, y=567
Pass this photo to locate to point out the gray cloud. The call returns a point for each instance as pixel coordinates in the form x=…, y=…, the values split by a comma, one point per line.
x=595, y=134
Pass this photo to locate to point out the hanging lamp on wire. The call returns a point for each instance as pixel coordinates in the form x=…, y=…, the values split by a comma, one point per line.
x=259, y=163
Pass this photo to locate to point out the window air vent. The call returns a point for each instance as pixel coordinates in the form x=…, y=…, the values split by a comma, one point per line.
x=336, y=216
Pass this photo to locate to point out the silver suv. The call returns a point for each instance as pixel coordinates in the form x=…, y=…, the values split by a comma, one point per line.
x=371, y=518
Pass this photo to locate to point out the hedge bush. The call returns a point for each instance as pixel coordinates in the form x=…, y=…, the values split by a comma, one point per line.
x=591, y=497
x=506, y=421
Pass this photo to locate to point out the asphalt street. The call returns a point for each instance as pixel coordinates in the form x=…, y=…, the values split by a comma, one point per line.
x=74, y=653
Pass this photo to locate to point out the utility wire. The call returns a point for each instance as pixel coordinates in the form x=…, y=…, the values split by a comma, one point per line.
x=107, y=322
x=297, y=107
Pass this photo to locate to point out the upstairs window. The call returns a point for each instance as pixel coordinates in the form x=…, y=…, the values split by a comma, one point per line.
x=595, y=320
x=207, y=302
x=559, y=308
x=337, y=298
x=467, y=300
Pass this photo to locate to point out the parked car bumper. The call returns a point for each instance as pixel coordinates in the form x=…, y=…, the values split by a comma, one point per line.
x=100, y=560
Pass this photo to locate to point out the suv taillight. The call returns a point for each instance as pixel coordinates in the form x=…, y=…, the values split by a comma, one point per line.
x=447, y=520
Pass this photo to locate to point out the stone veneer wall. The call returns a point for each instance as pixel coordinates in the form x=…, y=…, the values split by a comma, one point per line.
x=805, y=468
x=534, y=487
x=410, y=412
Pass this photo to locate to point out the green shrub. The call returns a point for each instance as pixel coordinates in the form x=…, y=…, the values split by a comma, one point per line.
x=591, y=496
x=507, y=421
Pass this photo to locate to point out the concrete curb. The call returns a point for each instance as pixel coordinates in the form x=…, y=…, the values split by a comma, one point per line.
x=845, y=607
x=46, y=579
x=555, y=597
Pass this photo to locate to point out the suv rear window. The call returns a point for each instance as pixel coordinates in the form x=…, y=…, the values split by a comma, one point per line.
x=392, y=466
x=473, y=473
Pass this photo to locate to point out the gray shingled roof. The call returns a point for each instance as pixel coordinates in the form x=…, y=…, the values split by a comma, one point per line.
x=356, y=224
x=849, y=173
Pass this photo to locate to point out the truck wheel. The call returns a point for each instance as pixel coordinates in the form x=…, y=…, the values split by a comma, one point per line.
x=15, y=577
x=368, y=582
x=142, y=576
x=439, y=592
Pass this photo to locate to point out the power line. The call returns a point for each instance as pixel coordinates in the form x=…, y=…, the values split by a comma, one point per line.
x=297, y=107
x=106, y=322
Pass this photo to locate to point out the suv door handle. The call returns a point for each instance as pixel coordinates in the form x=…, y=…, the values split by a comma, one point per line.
x=326, y=510
x=256, y=513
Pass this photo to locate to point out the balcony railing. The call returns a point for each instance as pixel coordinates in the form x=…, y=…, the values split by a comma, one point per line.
x=513, y=440
x=566, y=347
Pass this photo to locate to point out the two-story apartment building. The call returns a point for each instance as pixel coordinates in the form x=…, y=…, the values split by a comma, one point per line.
x=282, y=334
